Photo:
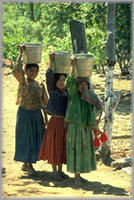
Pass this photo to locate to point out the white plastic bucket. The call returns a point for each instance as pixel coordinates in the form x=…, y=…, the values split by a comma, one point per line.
x=62, y=61
x=32, y=53
x=84, y=65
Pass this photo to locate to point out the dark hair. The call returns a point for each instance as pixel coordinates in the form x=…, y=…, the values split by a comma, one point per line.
x=28, y=66
x=79, y=80
x=57, y=76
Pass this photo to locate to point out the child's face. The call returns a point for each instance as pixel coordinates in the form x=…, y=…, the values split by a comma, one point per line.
x=32, y=72
x=61, y=82
x=82, y=86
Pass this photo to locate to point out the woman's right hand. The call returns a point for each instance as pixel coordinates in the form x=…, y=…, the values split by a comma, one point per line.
x=73, y=59
x=51, y=57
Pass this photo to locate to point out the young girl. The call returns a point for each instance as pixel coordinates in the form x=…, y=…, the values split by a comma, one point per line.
x=80, y=116
x=30, y=127
x=53, y=147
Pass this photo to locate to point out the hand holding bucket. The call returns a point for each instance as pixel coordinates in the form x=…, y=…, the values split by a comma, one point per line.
x=51, y=58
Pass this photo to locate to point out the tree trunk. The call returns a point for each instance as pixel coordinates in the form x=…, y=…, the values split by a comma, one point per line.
x=111, y=98
x=32, y=11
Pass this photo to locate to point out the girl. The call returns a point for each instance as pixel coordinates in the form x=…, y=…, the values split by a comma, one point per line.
x=80, y=116
x=53, y=147
x=30, y=127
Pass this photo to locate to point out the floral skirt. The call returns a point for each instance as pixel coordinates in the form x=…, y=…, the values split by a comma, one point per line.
x=53, y=148
x=80, y=149
x=30, y=130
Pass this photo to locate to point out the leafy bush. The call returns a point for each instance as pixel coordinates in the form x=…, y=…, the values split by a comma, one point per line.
x=96, y=45
x=48, y=23
x=10, y=44
x=123, y=37
x=15, y=32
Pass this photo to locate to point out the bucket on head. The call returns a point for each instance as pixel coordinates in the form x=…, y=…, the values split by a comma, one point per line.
x=32, y=53
x=62, y=61
x=84, y=65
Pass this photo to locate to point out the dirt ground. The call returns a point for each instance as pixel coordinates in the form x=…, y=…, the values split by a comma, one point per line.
x=105, y=182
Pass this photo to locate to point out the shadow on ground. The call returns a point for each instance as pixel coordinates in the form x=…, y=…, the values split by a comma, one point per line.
x=45, y=179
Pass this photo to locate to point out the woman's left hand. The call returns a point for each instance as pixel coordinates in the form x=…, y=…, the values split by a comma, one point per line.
x=46, y=119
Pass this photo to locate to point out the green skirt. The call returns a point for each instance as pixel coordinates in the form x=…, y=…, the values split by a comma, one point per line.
x=81, y=156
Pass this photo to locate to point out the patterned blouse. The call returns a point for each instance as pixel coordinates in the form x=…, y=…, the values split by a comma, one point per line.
x=31, y=94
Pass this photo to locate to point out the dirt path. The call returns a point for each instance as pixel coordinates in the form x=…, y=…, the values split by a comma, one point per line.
x=103, y=183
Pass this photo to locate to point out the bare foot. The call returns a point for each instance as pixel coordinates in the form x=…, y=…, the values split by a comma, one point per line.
x=83, y=180
x=63, y=175
x=24, y=167
x=56, y=176
x=78, y=182
x=31, y=171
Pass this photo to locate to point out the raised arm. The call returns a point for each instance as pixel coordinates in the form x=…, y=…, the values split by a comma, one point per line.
x=71, y=84
x=17, y=68
x=21, y=47
x=73, y=59
x=50, y=82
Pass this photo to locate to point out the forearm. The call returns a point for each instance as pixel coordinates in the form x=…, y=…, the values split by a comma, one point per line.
x=18, y=71
x=50, y=82
x=73, y=71
x=73, y=65
x=45, y=116
x=50, y=64
x=19, y=57
x=21, y=48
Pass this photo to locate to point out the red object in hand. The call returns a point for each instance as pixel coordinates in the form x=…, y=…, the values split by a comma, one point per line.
x=96, y=142
x=103, y=137
x=95, y=130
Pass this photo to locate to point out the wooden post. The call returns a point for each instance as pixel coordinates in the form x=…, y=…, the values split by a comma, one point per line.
x=111, y=98
x=78, y=37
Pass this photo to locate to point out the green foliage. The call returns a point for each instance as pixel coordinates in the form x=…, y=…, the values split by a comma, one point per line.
x=123, y=40
x=48, y=23
x=10, y=43
x=96, y=45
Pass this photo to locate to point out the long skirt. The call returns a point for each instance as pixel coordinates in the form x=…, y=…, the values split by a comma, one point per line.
x=30, y=130
x=53, y=148
x=80, y=149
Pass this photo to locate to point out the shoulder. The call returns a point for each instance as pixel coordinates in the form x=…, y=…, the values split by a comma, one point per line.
x=40, y=84
x=71, y=78
x=40, y=81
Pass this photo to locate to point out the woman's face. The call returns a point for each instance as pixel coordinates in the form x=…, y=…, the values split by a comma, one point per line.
x=32, y=72
x=82, y=85
x=61, y=82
